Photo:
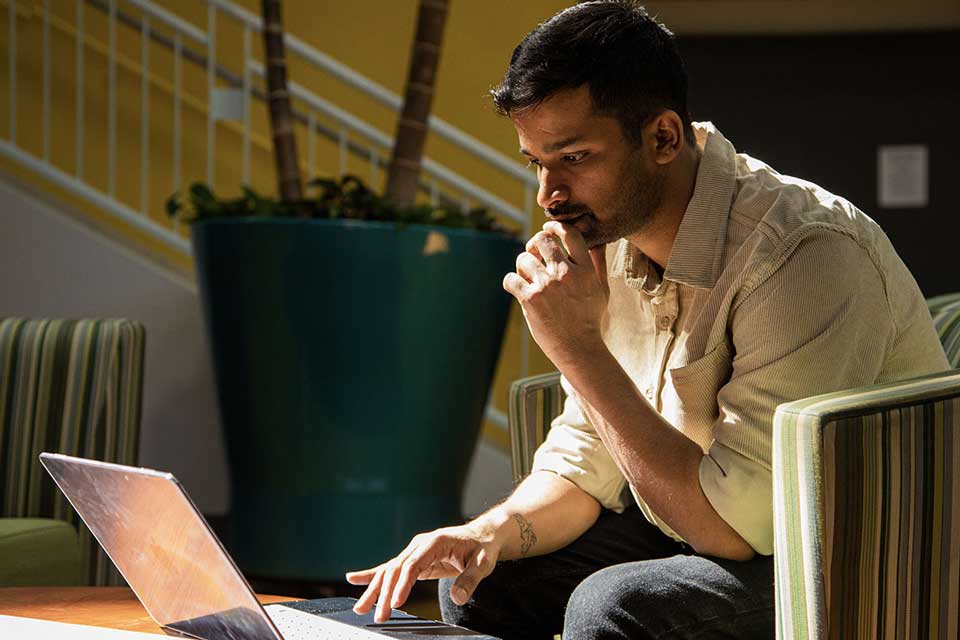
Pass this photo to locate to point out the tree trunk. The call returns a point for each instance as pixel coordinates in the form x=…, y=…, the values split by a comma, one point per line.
x=418, y=97
x=289, y=187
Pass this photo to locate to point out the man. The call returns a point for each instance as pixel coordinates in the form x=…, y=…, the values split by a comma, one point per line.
x=683, y=291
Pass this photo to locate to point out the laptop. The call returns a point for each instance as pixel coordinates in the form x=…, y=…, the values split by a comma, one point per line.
x=183, y=576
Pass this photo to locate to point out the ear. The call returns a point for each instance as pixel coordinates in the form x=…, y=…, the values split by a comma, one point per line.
x=665, y=133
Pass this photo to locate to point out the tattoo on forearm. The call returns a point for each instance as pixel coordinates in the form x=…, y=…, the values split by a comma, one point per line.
x=527, y=537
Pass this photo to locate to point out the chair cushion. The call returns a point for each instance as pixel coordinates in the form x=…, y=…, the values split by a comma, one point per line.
x=67, y=386
x=38, y=552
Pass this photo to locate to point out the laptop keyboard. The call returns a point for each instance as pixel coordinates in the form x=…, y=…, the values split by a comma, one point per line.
x=299, y=625
x=333, y=619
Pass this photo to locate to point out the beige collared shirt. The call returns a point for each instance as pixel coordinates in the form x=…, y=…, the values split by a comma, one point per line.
x=775, y=290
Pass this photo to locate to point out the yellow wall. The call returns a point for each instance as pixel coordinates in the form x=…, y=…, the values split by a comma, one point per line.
x=373, y=37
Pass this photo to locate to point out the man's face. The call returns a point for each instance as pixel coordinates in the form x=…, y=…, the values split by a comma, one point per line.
x=590, y=176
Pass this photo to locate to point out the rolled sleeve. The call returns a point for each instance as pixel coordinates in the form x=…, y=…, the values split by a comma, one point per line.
x=573, y=450
x=741, y=492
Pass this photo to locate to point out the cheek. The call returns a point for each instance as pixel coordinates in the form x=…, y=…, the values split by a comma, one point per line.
x=605, y=191
x=598, y=189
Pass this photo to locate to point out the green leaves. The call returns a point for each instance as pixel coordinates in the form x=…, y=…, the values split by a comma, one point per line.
x=348, y=198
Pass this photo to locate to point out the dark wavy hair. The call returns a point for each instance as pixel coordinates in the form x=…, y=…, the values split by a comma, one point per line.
x=629, y=60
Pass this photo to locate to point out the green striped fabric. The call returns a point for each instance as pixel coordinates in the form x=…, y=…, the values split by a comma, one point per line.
x=867, y=512
x=69, y=386
x=946, y=318
x=534, y=403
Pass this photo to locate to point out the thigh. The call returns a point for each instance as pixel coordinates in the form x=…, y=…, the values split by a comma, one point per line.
x=678, y=597
x=526, y=598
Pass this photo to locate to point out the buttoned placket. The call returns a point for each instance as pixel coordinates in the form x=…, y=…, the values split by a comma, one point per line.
x=665, y=310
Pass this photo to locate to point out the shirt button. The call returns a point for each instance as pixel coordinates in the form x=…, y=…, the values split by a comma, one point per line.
x=663, y=322
x=648, y=392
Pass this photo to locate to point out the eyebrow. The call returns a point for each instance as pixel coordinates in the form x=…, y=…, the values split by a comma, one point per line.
x=556, y=146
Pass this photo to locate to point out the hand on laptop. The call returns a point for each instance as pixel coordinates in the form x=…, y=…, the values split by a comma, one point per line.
x=465, y=552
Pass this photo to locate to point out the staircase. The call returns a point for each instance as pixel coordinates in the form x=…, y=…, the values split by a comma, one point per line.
x=116, y=104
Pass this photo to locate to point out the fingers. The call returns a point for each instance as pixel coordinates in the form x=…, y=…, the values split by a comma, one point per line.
x=547, y=246
x=384, y=606
x=412, y=570
x=466, y=583
x=389, y=584
x=514, y=285
x=362, y=577
x=572, y=240
x=365, y=601
x=531, y=269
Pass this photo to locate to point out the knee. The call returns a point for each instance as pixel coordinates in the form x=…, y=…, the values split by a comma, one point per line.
x=452, y=612
x=680, y=597
x=600, y=607
x=485, y=604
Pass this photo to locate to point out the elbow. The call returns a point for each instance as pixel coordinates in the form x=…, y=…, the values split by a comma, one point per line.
x=731, y=547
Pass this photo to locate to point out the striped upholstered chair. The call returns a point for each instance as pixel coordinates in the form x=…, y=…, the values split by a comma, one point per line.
x=70, y=386
x=866, y=500
x=867, y=506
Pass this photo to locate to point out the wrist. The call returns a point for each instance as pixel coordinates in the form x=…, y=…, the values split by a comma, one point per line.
x=593, y=361
x=492, y=527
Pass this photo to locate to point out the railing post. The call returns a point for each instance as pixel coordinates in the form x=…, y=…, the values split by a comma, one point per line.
x=528, y=196
x=78, y=169
x=12, y=68
x=342, y=149
x=111, y=97
x=145, y=114
x=46, y=80
x=245, y=170
x=211, y=85
x=311, y=145
x=177, y=61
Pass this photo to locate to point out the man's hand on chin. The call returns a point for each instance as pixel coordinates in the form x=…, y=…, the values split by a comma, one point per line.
x=562, y=288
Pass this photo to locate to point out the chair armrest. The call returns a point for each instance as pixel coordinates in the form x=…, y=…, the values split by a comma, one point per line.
x=534, y=403
x=860, y=476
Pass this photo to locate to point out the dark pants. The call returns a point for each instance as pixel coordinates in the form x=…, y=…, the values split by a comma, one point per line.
x=623, y=578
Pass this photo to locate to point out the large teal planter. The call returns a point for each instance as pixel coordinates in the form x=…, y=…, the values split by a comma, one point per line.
x=352, y=371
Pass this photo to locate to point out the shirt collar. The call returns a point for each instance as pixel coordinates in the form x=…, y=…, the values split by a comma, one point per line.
x=697, y=255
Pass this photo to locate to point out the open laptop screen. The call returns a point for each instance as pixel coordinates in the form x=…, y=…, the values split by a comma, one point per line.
x=161, y=544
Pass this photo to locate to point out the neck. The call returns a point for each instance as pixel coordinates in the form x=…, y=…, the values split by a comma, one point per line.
x=656, y=239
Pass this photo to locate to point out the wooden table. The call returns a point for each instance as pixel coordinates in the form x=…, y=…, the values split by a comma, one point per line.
x=113, y=607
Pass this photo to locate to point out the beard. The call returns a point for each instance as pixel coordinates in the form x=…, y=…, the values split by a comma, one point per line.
x=629, y=209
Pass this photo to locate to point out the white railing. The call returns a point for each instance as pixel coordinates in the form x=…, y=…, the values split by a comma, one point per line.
x=187, y=41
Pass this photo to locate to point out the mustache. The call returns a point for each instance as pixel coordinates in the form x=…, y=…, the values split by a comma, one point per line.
x=566, y=210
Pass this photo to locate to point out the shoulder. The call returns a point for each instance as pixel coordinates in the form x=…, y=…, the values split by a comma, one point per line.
x=777, y=218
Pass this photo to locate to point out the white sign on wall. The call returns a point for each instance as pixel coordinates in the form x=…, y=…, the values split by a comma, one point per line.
x=903, y=180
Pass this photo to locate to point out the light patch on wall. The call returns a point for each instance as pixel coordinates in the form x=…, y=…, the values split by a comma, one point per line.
x=436, y=243
x=903, y=177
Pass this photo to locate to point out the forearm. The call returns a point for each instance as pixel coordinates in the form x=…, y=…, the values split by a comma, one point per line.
x=659, y=461
x=545, y=512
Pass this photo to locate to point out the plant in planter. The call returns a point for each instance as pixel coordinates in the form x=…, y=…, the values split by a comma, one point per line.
x=354, y=339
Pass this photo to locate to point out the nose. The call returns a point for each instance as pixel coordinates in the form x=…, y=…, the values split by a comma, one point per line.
x=552, y=191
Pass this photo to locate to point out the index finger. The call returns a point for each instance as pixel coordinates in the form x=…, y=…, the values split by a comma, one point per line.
x=572, y=240
x=361, y=577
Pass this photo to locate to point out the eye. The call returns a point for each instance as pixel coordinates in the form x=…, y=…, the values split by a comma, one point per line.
x=574, y=158
x=533, y=162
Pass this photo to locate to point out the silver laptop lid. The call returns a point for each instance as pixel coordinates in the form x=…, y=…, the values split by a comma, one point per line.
x=161, y=544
